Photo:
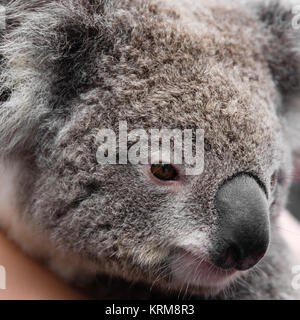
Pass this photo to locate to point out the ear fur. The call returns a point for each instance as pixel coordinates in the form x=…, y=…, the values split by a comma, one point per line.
x=48, y=51
x=281, y=24
x=281, y=38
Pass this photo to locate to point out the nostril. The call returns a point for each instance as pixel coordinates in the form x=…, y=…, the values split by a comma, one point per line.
x=234, y=256
x=251, y=261
x=229, y=257
x=233, y=253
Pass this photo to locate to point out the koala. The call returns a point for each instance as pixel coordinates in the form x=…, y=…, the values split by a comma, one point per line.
x=69, y=68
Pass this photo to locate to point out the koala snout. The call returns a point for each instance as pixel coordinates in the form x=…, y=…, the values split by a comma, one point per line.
x=242, y=237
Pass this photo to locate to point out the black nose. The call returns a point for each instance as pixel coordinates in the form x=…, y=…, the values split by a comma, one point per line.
x=241, y=256
x=242, y=237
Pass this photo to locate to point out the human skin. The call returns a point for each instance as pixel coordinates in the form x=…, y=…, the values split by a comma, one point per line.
x=28, y=280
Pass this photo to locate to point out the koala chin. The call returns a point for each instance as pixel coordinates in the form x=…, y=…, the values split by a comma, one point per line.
x=69, y=68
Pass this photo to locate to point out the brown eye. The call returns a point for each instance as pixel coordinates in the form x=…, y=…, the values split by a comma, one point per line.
x=274, y=179
x=165, y=172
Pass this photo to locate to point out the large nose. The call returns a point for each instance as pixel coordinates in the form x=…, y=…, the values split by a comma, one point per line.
x=242, y=237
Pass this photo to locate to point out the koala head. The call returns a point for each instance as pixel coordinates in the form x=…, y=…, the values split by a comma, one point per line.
x=71, y=68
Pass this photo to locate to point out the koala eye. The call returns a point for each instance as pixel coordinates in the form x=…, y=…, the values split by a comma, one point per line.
x=165, y=172
x=274, y=179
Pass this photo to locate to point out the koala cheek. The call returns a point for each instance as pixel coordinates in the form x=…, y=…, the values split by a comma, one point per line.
x=197, y=242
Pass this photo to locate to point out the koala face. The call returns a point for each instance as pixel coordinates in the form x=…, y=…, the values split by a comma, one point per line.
x=140, y=62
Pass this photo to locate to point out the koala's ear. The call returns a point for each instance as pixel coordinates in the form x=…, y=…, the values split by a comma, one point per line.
x=48, y=57
x=280, y=21
x=281, y=25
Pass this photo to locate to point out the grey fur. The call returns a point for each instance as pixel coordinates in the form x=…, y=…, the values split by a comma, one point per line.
x=71, y=67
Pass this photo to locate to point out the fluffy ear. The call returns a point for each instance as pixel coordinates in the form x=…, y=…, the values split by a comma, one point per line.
x=48, y=52
x=281, y=25
x=280, y=21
